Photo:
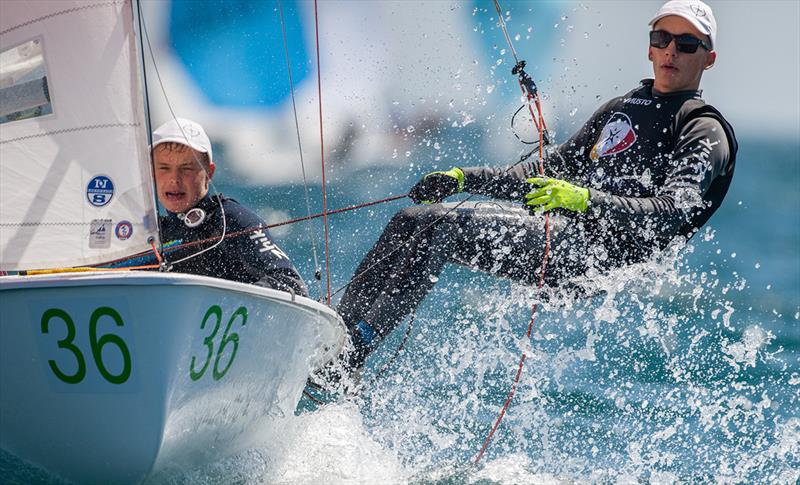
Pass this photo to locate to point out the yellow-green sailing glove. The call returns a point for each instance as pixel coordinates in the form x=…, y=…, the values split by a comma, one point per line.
x=436, y=186
x=549, y=194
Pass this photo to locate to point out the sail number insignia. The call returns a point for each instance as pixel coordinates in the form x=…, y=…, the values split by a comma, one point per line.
x=55, y=316
x=228, y=344
x=72, y=363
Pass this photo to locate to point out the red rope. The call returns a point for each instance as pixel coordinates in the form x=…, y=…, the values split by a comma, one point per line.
x=540, y=126
x=254, y=229
x=336, y=211
x=322, y=156
x=155, y=251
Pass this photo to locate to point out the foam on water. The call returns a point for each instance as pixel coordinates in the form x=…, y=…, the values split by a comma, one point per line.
x=661, y=377
x=666, y=374
x=330, y=445
x=334, y=447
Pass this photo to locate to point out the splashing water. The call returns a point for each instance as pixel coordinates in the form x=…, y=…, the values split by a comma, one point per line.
x=657, y=378
x=680, y=369
x=675, y=370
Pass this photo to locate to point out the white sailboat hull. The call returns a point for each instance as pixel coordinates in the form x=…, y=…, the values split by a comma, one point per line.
x=111, y=377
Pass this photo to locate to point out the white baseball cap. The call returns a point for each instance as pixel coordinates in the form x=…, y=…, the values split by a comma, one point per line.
x=695, y=11
x=186, y=132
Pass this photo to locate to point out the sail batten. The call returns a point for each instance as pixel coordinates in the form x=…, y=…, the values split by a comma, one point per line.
x=75, y=176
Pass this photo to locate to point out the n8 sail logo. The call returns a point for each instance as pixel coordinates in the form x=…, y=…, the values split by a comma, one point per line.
x=100, y=190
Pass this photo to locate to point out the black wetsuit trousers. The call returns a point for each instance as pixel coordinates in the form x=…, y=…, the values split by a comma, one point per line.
x=499, y=238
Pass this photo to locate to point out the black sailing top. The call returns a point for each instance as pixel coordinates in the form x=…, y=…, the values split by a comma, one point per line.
x=247, y=253
x=656, y=165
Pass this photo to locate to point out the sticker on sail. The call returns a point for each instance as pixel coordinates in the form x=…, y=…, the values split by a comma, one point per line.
x=124, y=230
x=100, y=191
x=100, y=234
x=617, y=136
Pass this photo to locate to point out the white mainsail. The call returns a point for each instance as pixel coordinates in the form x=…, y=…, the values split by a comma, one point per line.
x=75, y=175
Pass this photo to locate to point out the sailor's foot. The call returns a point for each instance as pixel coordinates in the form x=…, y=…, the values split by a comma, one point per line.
x=342, y=376
x=324, y=387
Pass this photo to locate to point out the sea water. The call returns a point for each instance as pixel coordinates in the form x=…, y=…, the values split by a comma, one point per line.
x=682, y=369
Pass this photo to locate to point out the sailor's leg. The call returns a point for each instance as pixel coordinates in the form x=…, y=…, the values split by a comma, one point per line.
x=381, y=266
x=509, y=240
x=397, y=273
x=502, y=239
x=413, y=273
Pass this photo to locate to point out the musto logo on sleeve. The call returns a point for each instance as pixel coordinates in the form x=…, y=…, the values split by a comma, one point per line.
x=617, y=136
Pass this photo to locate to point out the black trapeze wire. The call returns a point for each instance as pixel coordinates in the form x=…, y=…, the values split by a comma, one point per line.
x=514, y=131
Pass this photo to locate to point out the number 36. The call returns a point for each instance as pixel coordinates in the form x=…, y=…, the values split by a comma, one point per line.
x=228, y=337
x=95, y=343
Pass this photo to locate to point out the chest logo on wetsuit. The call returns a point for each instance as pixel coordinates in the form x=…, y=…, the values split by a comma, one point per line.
x=618, y=135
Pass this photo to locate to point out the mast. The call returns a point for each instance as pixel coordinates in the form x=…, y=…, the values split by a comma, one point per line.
x=157, y=247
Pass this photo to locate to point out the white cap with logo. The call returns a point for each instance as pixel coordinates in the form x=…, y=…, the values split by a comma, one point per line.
x=695, y=11
x=183, y=131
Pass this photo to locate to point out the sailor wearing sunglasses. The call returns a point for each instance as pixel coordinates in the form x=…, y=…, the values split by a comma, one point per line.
x=648, y=168
x=682, y=45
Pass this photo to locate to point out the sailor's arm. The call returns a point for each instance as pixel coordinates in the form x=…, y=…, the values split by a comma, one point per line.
x=507, y=183
x=284, y=279
x=510, y=182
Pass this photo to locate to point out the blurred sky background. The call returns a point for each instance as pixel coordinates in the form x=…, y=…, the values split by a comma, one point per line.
x=399, y=75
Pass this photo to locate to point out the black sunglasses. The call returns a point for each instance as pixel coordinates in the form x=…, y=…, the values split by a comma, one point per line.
x=684, y=43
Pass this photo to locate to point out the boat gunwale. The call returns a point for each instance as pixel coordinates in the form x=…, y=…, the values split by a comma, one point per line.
x=142, y=278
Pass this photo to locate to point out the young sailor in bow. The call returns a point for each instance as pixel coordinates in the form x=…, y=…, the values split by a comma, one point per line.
x=218, y=236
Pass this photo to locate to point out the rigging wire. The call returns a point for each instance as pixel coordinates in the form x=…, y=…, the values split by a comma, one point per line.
x=322, y=158
x=309, y=231
x=196, y=158
x=148, y=120
x=526, y=83
x=337, y=211
x=254, y=229
x=505, y=30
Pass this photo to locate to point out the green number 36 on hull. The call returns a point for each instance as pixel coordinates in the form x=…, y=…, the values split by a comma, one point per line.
x=228, y=337
x=67, y=343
